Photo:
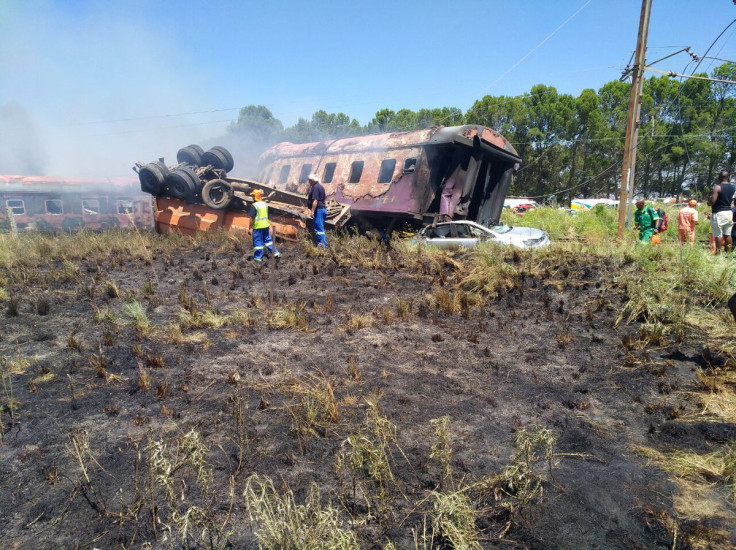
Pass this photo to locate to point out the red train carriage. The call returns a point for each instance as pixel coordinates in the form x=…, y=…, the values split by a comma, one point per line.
x=68, y=204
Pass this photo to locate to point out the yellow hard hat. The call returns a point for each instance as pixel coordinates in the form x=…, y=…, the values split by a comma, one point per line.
x=256, y=193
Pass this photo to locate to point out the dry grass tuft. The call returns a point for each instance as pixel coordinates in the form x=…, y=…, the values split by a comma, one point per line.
x=292, y=316
x=279, y=522
x=315, y=409
x=453, y=521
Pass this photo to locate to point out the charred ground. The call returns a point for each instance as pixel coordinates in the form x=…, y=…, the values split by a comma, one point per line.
x=183, y=353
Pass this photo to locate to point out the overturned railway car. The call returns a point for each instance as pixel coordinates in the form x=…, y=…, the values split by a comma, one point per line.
x=68, y=204
x=458, y=172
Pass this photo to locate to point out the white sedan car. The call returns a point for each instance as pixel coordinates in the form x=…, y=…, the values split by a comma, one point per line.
x=465, y=233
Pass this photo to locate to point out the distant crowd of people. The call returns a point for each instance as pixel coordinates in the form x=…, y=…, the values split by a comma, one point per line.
x=649, y=222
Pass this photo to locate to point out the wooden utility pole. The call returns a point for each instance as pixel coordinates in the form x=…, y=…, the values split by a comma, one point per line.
x=632, y=120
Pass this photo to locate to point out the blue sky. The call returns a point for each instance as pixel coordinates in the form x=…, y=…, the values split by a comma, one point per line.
x=106, y=83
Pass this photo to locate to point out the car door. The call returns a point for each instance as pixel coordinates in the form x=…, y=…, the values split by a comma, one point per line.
x=440, y=235
x=463, y=235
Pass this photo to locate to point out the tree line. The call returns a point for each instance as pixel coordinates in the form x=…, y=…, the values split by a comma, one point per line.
x=570, y=146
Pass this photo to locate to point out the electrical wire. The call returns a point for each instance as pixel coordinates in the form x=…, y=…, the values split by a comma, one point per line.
x=141, y=130
x=535, y=48
x=150, y=117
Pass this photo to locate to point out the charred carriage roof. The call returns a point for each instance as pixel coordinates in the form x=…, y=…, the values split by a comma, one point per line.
x=469, y=135
x=47, y=184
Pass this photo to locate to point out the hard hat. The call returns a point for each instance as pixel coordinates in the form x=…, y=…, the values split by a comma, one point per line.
x=693, y=203
x=313, y=177
x=256, y=193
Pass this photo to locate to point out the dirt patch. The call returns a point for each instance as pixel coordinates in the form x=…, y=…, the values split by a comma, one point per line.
x=120, y=360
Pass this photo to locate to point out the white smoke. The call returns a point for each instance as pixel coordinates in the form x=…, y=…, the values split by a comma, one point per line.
x=20, y=148
x=87, y=94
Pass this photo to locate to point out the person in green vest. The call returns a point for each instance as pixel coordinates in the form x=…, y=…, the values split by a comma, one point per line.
x=645, y=221
x=261, y=227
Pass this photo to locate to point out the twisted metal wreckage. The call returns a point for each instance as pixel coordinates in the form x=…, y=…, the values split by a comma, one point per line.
x=372, y=182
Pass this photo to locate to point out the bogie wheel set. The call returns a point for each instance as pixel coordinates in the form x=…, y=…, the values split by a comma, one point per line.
x=189, y=178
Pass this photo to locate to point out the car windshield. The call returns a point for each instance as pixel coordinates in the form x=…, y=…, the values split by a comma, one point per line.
x=501, y=228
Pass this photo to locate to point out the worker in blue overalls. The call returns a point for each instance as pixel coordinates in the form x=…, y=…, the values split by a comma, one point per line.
x=261, y=227
x=316, y=204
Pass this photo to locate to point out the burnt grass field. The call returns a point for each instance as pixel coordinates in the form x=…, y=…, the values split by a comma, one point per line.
x=393, y=398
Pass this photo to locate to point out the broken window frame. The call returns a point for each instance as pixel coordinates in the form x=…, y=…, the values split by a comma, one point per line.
x=87, y=211
x=384, y=174
x=284, y=173
x=53, y=201
x=434, y=232
x=304, y=174
x=14, y=208
x=410, y=164
x=123, y=202
x=268, y=175
x=356, y=171
x=329, y=172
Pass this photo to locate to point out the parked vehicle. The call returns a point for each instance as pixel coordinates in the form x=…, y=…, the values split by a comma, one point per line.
x=587, y=204
x=464, y=233
x=520, y=206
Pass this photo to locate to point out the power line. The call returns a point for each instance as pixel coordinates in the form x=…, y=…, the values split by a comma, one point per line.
x=141, y=130
x=675, y=75
x=150, y=117
x=535, y=48
x=717, y=59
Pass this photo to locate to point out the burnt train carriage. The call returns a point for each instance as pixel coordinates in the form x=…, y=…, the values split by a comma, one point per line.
x=442, y=172
x=66, y=204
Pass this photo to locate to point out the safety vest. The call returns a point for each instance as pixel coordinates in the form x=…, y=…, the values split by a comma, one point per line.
x=261, y=219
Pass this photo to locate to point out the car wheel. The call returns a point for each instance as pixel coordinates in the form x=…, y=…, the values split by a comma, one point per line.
x=182, y=183
x=219, y=158
x=152, y=177
x=191, y=155
x=217, y=194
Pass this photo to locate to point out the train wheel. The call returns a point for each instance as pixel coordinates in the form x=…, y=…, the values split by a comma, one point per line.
x=217, y=194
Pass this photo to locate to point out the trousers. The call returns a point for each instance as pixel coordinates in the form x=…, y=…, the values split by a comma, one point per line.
x=319, y=227
x=261, y=240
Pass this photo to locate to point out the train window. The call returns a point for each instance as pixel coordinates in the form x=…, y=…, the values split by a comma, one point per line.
x=125, y=207
x=356, y=170
x=268, y=175
x=16, y=206
x=329, y=172
x=410, y=165
x=387, y=171
x=54, y=206
x=90, y=207
x=306, y=170
x=284, y=173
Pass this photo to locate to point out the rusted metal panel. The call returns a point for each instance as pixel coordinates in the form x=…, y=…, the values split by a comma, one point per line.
x=190, y=219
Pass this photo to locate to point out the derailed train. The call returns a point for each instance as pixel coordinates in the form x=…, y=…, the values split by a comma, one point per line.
x=442, y=172
x=374, y=181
